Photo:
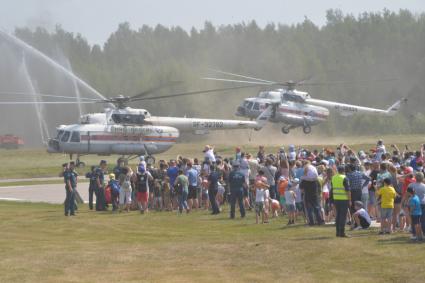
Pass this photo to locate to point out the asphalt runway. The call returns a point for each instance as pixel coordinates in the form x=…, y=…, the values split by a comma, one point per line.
x=52, y=193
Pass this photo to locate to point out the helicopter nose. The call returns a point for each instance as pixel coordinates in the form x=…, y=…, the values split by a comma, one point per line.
x=240, y=111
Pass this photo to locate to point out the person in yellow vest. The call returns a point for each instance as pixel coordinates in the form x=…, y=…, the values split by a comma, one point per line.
x=341, y=198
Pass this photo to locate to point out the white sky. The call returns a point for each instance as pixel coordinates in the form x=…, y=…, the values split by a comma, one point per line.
x=97, y=19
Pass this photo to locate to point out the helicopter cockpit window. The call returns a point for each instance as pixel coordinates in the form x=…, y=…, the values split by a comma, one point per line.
x=75, y=137
x=65, y=136
x=288, y=96
x=248, y=105
x=256, y=106
x=128, y=118
x=60, y=133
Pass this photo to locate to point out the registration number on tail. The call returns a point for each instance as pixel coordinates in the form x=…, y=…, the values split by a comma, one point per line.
x=209, y=125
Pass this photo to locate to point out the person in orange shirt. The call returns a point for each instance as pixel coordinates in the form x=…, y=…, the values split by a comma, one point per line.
x=282, y=186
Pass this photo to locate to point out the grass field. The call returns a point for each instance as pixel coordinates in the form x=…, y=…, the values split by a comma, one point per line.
x=33, y=163
x=39, y=244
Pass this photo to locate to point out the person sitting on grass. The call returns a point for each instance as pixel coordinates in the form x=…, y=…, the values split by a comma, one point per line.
x=415, y=214
x=361, y=217
x=387, y=194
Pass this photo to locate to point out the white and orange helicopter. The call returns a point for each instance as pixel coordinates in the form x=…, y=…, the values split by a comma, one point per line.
x=294, y=108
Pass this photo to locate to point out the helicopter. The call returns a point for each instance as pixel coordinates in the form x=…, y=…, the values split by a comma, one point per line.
x=131, y=132
x=294, y=108
x=120, y=129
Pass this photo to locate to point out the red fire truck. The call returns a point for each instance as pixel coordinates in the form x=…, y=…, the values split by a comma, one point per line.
x=11, y=142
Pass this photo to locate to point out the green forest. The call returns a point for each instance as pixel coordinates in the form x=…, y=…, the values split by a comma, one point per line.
x=358, y=49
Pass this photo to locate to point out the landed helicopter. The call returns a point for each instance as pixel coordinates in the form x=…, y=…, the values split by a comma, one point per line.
x=295, y=108
x=120, y=129
x=131, y=132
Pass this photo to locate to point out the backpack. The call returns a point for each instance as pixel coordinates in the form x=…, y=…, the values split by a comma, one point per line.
x=115, y=187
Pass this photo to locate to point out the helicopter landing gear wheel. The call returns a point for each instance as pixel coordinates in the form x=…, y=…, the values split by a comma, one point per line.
x=79, y=163
x=307, y=129
x=150, y=159
x=285, y=130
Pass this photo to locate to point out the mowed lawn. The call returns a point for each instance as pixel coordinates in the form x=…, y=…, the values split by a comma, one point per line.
x=39, y=244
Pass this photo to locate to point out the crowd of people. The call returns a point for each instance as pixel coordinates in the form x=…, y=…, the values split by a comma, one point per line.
x=308, y=186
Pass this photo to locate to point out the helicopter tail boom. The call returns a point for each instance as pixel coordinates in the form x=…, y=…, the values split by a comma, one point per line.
x=395, y=107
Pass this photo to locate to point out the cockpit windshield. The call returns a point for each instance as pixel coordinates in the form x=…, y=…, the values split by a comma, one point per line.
x=248, y=105
x=60, y=133
x=65, y=136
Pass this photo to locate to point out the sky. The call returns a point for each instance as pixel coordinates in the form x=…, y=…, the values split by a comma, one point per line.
x=97, y=19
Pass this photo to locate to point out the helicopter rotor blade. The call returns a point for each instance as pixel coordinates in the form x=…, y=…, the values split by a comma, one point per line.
x=190, y=93
x=238, y=81
x=42, y=102
x=241, y=76
x=154, y=89
x=16, y=93
x=347, y=82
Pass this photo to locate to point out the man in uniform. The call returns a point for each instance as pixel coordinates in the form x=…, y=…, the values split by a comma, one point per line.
x=237, y=184
x=100, y=183
x=92, y=186
x=70, y=179
x=341, y=197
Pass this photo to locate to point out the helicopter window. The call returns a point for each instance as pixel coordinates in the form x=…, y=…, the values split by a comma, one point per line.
x=249, y=105
x=293, y=97
x=128, y=118
x=75, y=137
x=256, y=106
x=60, y=133
x=65, y=136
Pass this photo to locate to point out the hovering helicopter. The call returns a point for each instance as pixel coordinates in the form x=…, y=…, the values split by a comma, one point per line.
x=295, y=108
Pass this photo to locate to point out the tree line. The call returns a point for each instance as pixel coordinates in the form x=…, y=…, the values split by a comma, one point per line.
x=354, y=52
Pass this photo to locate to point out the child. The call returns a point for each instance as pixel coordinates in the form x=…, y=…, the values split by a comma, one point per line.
x=260, y=185
x=299, y=204
x=415, y=213
x=290, y=197
x=125, y=192
x=115, y=192
x=282, y=186
x=204, y=185
x=220, y=194
x=275, y=207
x=166, y=192
x=387, y=194
x=259, y=204
x=157, y=201
x=361, y=217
